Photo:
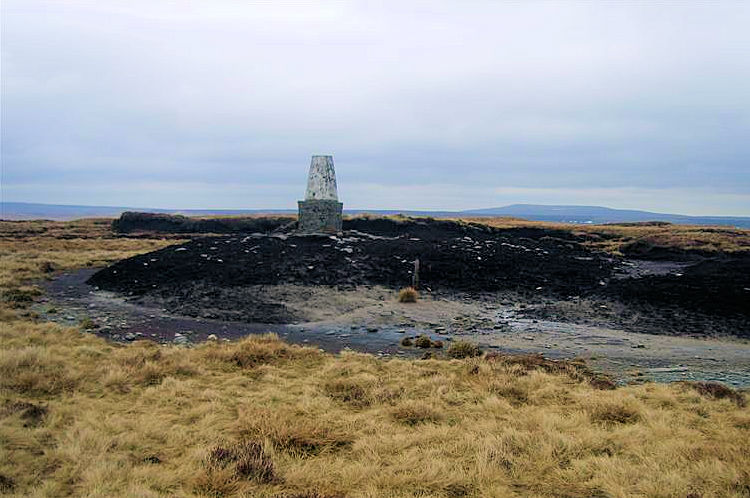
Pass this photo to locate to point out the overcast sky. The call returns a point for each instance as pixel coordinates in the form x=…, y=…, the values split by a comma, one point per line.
x=424, y=105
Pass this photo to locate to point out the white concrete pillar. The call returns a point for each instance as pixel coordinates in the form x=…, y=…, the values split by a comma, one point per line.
x=321, y=181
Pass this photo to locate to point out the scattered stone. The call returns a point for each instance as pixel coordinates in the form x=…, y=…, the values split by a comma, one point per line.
x=668, y=369
x=212, y=337
x=180, y=339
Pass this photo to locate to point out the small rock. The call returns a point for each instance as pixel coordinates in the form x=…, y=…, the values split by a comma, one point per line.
x=180, y=339
x=130, y=336
x=212, y=337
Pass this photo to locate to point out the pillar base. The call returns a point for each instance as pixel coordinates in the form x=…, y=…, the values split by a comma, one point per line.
x=316, y=216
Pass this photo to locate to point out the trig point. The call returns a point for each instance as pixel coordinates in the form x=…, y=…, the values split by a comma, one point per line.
x=321, y=210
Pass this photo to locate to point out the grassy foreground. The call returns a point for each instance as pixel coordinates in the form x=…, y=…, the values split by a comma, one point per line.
x=258, y=417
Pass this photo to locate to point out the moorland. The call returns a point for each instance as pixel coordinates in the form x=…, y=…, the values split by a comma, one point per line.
x=86, y=414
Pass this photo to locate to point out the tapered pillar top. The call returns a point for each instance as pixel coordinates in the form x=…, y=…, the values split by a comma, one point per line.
x=321, y=182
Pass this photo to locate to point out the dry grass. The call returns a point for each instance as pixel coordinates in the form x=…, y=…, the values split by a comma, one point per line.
x=35, y=249
x=408, y=295
x=258, y=417
x=463, y=349
x=82, y=416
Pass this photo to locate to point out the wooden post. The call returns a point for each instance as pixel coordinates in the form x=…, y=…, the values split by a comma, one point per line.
x=415, y=275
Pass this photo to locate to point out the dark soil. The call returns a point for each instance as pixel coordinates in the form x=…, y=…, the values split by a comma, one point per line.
x=452, y=256
x=716, y=286
x=536, y=264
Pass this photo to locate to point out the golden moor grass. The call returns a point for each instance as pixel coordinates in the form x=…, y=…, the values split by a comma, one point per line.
x=408, y=295
x=259, y=417
x=144, y=419
x=463, y=349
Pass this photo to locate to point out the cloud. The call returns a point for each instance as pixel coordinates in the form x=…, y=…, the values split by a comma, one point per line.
x=143, y=102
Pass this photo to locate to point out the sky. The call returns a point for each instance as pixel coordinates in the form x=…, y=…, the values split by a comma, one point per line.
x=424, y=105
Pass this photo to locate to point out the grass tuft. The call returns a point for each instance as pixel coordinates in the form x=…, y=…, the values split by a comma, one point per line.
x=224, y=466
x=616, y=413
x=423, y=342
x=349, y=391
x=413, y=412
x=716, y=390
x=7, y=485
x=20, y=296
x=408, y=295
x=463, y=349
x=31, y=414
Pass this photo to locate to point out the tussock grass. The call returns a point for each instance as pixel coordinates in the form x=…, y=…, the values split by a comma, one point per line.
x=716, y=390
x=258, y=417
x=463, y=349
x=37, y=249
x=143, y=419
x=408, y=295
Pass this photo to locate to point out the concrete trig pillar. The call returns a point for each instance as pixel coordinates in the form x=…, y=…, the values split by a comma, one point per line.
x=321, y=210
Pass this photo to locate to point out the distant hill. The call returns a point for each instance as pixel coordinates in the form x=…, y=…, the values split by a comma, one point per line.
x=598, y=214
x=560, y=214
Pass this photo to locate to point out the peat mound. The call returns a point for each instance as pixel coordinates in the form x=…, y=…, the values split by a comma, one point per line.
x=718, y=286
x=453, y=256
x=226, y=273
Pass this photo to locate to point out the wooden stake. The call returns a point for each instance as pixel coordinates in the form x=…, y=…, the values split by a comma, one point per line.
x=415, y=275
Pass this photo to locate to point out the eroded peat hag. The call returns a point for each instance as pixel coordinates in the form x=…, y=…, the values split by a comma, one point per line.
x=546, y=268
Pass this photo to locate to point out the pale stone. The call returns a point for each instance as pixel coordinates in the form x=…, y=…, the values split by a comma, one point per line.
x=321, y=211
x=321, y=181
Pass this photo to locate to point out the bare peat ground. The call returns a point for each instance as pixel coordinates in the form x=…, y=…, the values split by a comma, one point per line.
x=221, y=277
x=518, y=290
